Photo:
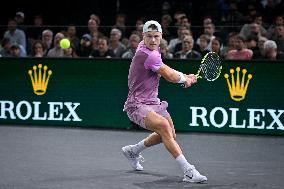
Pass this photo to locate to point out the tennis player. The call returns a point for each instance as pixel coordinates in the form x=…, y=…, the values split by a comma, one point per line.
x=144, y=108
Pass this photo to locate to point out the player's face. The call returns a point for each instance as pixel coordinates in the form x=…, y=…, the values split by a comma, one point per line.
x=152, y=39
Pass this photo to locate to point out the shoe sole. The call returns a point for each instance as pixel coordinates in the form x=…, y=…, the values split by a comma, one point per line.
x=192, y=181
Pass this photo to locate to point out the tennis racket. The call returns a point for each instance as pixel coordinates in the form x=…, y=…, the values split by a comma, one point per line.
x=210, y=67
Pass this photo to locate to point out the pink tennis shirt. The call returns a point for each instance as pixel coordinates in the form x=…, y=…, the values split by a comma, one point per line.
x=143, y=81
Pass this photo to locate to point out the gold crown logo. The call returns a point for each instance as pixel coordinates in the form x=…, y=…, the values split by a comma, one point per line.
x=39, y=78
x=238, y=88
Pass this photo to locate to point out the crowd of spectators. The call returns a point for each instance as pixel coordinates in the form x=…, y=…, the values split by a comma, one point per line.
x=257, y=34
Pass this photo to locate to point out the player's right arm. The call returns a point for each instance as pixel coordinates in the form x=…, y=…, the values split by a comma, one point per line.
x=174, y=76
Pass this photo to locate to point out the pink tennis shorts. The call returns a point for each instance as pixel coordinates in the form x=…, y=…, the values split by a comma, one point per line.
x=137, y=115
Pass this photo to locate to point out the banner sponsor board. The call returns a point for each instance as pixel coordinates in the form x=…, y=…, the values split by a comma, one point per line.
x=247, y=98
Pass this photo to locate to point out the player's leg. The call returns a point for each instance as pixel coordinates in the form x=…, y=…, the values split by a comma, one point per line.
x=164, y=127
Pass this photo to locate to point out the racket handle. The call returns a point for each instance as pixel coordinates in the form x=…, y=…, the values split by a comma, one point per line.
x=182, y=85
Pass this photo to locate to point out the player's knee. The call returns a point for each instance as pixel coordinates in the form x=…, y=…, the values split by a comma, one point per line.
x=165, y=129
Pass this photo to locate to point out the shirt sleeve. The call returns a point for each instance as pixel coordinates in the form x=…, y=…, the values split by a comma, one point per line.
x=153, y=61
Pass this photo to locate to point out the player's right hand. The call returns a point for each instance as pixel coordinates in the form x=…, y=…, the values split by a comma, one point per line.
x=190, y=79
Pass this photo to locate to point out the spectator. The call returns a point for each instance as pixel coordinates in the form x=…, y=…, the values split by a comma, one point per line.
x=17, y=51
x=47, y=38
x=164, y=50
x=184, y=21
x=15, y=35
x=260, y=45
x=35, y=30
x=103, y=50
x=231, y=43
x=202, y=48
x=182, y=33
x=217, y=46
x=279, y=37
x=114, y=43
x=57, y=51
x=5, y=47
x=138, y=27
x=93, y=25
x=209, y=30
x=278, y=21
x=72, y=36
x=177, y=16
x=251, y=43
x=234, y=17
x=187, y=51
x=270, y=51
x=120, y=20
x=134, y=41
x=95, y=40
x=166, y=23
x=254, y=28
x=20, y=19
x=241, y=52
x=85, y=46
x=38, y=49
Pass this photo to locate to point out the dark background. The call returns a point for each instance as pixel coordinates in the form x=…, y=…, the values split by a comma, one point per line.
x=78, y=12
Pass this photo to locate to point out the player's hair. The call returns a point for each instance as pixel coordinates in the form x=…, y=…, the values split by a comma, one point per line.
x=153, y=27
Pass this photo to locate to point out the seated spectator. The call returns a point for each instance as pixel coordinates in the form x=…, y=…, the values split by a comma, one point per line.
x=72, y=36
x=94, y=24
x=278, y=21
x=164, y=50
x=47, y=38
x=254, y=28
x=209, y=29
x=217, y=46
x=134, y=41
x=251, y=43
x=260, y=45
x=120, y=20
x=103, y=50
x=241, y=52
x=38, y=49
x=17, y=51
x=187, y=51
x=5, y=47
x=57, y=51
x=182, y=32
x=14, y=34
x=202, y=48
x=114, y=43
x=279, y=38
x=166, y=23
x=270, y=51
x=85, y=46
x=231, y=43
x=177, y=16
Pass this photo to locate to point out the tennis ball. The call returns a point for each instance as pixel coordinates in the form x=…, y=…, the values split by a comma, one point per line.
x=65, y=43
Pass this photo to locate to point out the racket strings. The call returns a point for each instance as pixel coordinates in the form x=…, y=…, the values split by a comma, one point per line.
x=211, y=67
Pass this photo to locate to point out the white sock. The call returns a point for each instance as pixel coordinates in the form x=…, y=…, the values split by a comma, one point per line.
x=183, y=163
x=137, y=148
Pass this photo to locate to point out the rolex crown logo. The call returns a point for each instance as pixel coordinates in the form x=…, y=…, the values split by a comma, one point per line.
x=39, y=77
x=237, y=87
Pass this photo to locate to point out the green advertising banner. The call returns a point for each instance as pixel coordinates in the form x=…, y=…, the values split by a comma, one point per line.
x=247, y=98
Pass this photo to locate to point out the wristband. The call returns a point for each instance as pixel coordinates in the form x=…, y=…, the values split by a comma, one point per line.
x=182, y=79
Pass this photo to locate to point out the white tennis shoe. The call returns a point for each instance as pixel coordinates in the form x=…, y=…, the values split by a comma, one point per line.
x=133, y=158
x=192, y=175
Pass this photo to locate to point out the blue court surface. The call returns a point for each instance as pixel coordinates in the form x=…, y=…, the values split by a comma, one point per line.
x=69, y=158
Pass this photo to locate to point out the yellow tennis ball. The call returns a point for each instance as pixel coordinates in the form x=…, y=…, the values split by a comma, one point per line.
x=65, y=43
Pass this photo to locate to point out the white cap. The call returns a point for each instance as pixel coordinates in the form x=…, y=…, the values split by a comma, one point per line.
x=21, y=14
x=149, y=23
